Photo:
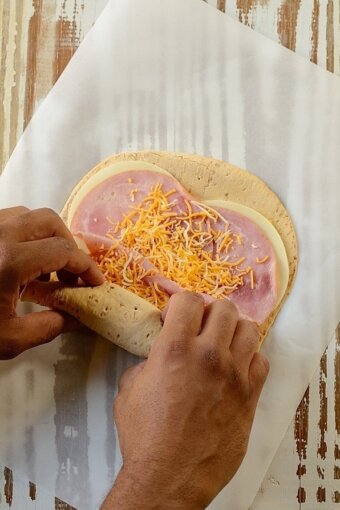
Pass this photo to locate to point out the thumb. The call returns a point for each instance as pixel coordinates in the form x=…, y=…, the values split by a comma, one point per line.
x=38, y=328
x=129, y=376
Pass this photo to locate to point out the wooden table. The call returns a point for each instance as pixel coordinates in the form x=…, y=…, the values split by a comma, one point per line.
x=38, y=39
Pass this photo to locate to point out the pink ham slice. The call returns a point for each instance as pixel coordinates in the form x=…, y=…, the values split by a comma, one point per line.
x=256, y=303
x=115, y=197
x=112, y=199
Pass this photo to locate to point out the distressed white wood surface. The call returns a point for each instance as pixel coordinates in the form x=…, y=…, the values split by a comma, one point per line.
x=309, y=27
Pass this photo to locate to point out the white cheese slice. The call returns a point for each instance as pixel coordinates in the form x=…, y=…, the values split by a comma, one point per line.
x=272, y=235
x=106, y=173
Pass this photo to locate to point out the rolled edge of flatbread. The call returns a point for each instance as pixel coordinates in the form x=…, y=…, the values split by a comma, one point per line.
x=111, y=311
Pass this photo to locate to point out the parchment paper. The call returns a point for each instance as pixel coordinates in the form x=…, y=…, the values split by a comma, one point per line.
x=174, y=75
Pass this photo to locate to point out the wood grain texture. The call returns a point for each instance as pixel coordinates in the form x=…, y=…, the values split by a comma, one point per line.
x=301, y=439
x=287, y=23
x=330, y=35
x=38, y=38
x=8, y=487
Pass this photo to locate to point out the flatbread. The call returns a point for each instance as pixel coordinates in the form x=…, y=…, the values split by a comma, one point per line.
x=115, y=313
x=207, y=179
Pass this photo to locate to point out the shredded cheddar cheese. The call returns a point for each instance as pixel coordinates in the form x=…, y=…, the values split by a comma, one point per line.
x=239, y=239
x=262, y=261
x=178, y=241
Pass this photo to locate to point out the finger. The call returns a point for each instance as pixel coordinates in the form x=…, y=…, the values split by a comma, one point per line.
x=34, y=225
x=11, y=212
x=245, y=343
x=28, y=261
x=258, y=372
x=129, y=376
x=35, y=329
x=184, y=317
x=219, y=323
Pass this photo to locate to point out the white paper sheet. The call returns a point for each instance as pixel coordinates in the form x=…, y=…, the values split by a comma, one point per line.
x=174, y=75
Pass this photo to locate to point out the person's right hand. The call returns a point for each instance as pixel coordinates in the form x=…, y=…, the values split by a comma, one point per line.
x=32, y=245
x=184, y=416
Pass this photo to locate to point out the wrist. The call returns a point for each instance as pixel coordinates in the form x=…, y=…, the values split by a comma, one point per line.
x=148, y=489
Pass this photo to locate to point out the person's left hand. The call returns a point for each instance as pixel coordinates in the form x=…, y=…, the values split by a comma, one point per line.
x=34, y=244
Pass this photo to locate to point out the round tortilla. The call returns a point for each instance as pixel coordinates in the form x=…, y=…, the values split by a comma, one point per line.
x=209, y=179
x=123, y=317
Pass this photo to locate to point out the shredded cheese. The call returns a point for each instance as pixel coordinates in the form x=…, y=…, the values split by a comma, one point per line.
x=239, y=238
x=261, y=261
x=176, y=240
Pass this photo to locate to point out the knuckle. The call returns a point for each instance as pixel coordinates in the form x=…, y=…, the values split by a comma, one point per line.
x=226, y=314
x=47, y=211
x=234, y=376
x=47, y=216
x=7, y=259
x=237, y=381
x=195, y=298
x=177, y=346
x=16, y=212
x=187, y=297
x=250, y=342
x=212, y=359
x=21, y=209
x=22, y=223
x=64, y=243
x=232, y=309
x=23, y=220
x=252, y=328
x=248, y=335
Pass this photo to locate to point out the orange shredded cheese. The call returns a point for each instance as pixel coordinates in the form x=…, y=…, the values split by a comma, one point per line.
x=251, y=272
x=261, y=261
x=178, y=244
x=239, y=238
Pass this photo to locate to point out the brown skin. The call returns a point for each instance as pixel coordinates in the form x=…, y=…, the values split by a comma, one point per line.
x=32, y=245
x=184, y=416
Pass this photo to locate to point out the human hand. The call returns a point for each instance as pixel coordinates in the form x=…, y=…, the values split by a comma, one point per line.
x=34, y=244
x=184, y=416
